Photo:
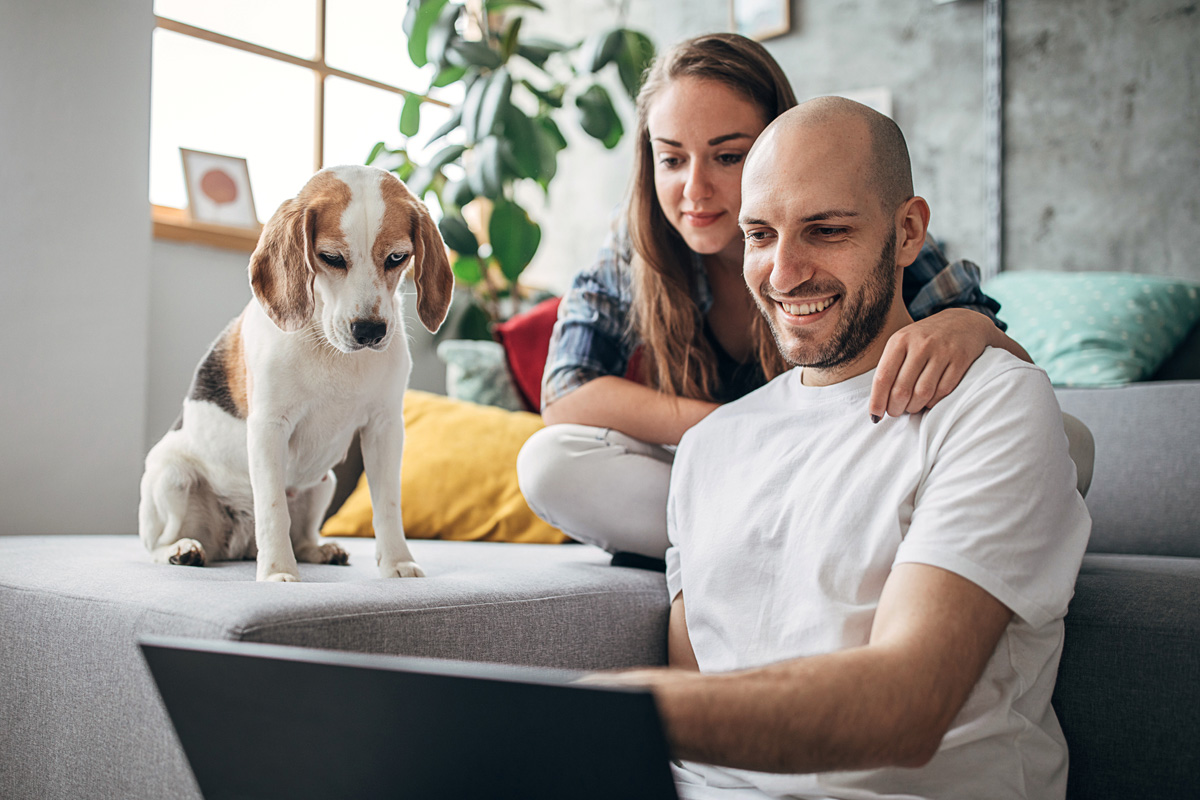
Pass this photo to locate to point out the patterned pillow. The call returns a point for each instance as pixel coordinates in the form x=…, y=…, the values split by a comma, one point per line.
x=1096, y=328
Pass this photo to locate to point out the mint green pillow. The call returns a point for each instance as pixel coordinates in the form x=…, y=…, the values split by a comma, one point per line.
x=1096, y=328
x=476, y=371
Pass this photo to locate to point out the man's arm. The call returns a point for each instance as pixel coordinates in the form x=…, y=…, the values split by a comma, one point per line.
x=888, y=703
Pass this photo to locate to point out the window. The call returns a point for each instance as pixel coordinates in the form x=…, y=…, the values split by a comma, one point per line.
x=290, y=85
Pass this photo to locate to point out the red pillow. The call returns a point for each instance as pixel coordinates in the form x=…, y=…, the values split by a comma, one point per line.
x=526, y=341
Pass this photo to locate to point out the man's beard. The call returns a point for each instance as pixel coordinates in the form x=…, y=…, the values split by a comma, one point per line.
x=861, y=320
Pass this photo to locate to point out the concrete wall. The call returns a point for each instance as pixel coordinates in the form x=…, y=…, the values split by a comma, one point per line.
x=1103, y=146
x=75, y=266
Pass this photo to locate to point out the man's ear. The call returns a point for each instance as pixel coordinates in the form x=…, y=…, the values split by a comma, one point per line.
x=912, y=222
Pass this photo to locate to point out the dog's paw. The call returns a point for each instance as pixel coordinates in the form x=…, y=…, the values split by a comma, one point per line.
x=328, y=553
x=334, y=554
x=281, y=577
x=187, y=553
x=401, y=569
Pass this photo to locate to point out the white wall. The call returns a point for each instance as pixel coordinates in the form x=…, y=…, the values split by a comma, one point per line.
x=74, y=105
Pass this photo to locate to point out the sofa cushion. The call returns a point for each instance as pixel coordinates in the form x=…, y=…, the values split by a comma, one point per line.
x=1147, y=455
x=1096, y=328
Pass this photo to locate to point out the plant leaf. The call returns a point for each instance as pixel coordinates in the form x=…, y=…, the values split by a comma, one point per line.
x=600, y=48
x=464, y=53
x=457, y=235
x=475, y=322
x=410, y=114
x=471, y=105
x=508, y=42
x=598, y=118
x=449, y=125
x=523, y=143
x=458, y=192
x=441, y=34
x=552, y=97
x=447, y=76
x=467, y=270
x=496, y=5
x=375, y=151
x=514, y=237
x=633, y=59
x=446, y=155
x=424, y=15
x=484, y=169
x=496, y=100
x=551, y=128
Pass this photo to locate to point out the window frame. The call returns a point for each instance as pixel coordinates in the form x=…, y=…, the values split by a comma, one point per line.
x=174, y=223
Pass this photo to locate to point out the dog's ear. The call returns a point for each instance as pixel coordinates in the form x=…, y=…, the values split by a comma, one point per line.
x=281, y=270
x=432, y=273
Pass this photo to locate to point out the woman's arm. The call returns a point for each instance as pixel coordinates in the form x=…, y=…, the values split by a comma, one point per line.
x=639, y=411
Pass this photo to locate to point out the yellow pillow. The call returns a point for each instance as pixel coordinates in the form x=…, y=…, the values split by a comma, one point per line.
x=459, y=476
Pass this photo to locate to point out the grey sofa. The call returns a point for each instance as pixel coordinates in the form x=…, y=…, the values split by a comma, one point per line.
x=79, y=716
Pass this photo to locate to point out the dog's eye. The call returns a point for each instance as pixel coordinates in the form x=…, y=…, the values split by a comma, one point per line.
x=395, y=260
x=334, y=260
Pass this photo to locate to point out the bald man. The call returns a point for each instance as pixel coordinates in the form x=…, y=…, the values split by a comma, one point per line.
x=873, y=606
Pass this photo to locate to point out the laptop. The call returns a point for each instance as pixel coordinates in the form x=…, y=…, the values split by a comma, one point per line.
x=267, y=721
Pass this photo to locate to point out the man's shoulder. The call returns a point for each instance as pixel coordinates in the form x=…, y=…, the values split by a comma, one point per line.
x=997, y=366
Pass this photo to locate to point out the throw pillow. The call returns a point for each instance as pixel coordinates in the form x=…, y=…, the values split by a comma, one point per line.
x=459, y=476
x=1096, y=328
x=476, y=372
x=526, y=341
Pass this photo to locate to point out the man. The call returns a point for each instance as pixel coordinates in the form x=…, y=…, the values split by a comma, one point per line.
x=873, y=609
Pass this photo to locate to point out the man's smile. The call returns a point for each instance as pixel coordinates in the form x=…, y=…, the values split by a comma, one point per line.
x=807, y=311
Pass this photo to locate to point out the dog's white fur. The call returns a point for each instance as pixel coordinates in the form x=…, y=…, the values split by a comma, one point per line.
x=276, y=402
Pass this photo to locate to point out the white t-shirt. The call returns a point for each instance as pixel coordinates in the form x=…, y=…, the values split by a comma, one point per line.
x=788, y=509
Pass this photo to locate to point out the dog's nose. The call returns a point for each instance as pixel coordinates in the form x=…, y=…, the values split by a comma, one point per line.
x=368, y=332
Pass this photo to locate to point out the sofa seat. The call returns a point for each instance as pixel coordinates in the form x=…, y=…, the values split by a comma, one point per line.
x=79, y=715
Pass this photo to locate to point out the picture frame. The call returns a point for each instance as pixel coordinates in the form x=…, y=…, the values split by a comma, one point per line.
x=760, y=19
x=218, y=189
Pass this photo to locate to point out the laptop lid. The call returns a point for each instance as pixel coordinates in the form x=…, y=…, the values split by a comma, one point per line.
x=267, y=721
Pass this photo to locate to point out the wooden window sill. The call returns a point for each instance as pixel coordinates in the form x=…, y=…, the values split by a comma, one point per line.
x=175, y=225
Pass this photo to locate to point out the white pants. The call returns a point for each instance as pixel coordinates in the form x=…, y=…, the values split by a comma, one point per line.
x=602, y=487
x=599, y=486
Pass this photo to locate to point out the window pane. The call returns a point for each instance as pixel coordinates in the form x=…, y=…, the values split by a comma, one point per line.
x=289, y=26
x=358, y=116
x=366, y=37
x=219, y=100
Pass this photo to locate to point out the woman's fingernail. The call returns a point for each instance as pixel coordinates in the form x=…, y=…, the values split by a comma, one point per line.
x=875, y=418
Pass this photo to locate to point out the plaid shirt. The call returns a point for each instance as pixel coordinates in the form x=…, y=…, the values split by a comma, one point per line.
x=592, y=337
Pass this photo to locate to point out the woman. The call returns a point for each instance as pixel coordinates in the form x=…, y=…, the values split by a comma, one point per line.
x=669, y=283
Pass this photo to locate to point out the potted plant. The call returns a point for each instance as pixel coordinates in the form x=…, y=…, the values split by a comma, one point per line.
x=505, y=131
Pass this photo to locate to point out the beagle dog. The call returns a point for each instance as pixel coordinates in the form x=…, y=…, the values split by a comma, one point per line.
x=318, y=354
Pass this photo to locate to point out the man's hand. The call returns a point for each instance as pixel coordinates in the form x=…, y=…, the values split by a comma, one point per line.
x=924, y=362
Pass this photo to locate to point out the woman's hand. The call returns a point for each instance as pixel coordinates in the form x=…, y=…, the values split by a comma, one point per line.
x=923, y=362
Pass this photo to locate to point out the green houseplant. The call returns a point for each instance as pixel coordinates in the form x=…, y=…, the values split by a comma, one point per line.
x=505, y=131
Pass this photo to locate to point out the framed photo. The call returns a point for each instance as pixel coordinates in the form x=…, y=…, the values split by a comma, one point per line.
x=218, y=189
x=760, y=19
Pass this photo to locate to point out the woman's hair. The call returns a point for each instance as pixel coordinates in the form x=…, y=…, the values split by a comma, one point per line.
x=678, y=358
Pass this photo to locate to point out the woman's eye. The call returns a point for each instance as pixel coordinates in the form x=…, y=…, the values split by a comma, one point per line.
x=395, y=260
x=334, y=260
x=730, y=159
x=668, y=161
